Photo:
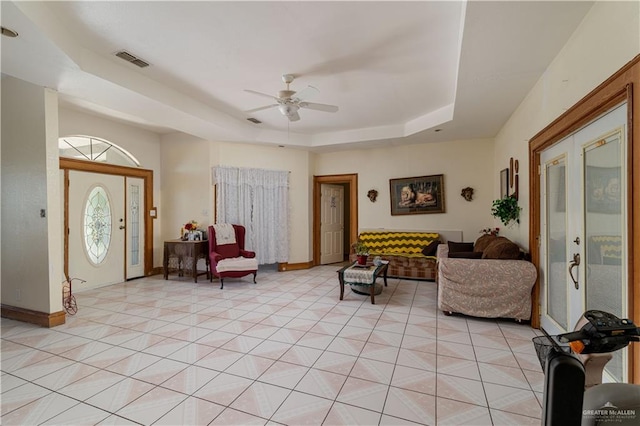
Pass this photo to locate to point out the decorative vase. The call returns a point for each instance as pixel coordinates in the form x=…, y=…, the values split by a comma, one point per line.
x=362, y=259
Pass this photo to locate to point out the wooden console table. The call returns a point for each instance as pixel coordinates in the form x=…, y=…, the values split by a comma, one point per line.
x=180, y=255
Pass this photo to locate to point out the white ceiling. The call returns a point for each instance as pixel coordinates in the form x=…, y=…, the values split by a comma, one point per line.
x=397, y=70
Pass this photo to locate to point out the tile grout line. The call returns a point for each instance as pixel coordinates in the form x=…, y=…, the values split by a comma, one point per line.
x=239, y=304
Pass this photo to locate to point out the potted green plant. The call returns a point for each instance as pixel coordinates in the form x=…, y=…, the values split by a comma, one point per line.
x=506, y=209
x=361, y=251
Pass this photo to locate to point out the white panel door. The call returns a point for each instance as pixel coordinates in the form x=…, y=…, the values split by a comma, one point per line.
x=135, y=227
x=332, y=224
x=96, y=228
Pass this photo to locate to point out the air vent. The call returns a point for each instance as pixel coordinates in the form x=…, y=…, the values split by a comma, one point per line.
x=123, y=54
x=254, y=120
x=140, y=63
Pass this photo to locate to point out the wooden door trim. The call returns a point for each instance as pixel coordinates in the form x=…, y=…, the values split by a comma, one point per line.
x=352, y=180
x=146, y=175
x=614, y=90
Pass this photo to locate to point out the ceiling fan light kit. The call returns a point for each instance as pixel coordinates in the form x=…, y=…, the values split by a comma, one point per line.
x=287, y=109
x=288, y=103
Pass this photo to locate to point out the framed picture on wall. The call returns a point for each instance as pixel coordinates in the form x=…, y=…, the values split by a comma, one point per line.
x=417, y=195
x=504, y=183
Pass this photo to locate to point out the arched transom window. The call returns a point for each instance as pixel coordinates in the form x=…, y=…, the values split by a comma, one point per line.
x=95, y=149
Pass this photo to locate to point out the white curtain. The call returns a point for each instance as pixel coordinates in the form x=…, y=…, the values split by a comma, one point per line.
x=259, y=200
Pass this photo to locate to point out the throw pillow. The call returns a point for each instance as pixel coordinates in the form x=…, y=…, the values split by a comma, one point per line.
x=459, y=247
x=483, y=242
x=431, y=248
x=501, y=248
x=466, y=255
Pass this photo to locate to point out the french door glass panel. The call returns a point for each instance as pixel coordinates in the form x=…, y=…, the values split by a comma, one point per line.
x=563, y=301
x=556, y=238
x=605, y=281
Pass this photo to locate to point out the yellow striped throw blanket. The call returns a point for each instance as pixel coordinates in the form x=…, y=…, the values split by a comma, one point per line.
x=402, y=243
x=403, y=250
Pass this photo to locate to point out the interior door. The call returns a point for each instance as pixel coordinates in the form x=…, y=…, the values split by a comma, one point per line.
x=96, y=228
x=583, y=227
x=332, y=224
x=135, y=227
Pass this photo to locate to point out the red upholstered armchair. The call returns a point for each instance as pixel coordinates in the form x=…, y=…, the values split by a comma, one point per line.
x=227, y=254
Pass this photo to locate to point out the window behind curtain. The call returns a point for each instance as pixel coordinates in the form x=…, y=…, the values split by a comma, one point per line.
x=257, y=199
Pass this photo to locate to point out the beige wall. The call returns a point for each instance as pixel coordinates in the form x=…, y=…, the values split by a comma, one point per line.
x=142, y=144
x=608, y=38
x=463, y=163
x=31, y=259
x=186, y=191
x=187, y=163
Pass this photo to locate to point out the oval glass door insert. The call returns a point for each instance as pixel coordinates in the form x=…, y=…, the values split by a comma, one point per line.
x=97, y=225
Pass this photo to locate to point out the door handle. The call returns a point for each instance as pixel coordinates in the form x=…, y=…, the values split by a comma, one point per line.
x=575, y=262
x=121, y=226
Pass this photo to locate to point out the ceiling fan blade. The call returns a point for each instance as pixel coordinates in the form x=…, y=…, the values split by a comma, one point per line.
x=306, y=93
x=261, y=108
x=264, y=95
x=294, y=116
x=318, y=107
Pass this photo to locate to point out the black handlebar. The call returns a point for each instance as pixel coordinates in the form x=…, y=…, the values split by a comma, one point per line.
x=603, y=333
x=573, y=336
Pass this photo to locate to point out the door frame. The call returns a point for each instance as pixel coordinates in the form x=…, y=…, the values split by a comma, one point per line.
x=352, y=180
x=616, y=89
x=67, y=164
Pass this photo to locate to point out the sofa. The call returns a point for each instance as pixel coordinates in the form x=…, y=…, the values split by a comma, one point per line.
x=410, y=254
x=487, y=282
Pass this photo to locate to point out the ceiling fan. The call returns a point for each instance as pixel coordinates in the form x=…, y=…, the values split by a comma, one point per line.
x=289, y=101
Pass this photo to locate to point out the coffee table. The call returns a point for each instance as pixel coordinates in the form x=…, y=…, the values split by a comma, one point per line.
x=366, y=276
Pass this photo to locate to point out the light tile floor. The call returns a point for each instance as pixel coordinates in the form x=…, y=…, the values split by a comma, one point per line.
x=283, y=351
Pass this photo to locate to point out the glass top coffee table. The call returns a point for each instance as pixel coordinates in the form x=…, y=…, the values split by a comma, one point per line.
x=362, y=275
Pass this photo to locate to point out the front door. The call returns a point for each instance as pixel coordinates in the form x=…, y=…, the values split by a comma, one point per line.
x=583, y=227
x=332, y=224
x=96, y=228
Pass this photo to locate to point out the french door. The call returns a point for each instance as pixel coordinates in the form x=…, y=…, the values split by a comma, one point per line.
x=583, y=227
